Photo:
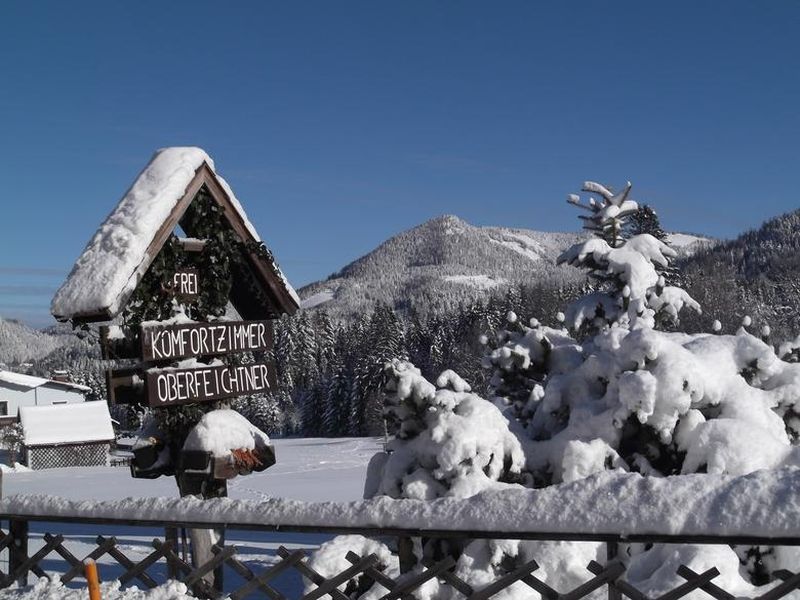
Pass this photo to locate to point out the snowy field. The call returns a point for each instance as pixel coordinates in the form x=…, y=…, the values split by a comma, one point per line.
x=307, y=469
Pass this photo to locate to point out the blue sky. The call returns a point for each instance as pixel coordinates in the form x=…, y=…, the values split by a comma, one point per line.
x=339, y=124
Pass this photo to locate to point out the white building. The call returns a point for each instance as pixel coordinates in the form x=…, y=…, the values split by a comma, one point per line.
x=18, y=390
x=58, y=436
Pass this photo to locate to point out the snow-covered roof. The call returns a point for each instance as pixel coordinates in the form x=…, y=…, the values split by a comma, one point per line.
x=66, y=423
x=30, y=382
x=27, y=381
x=122, y=249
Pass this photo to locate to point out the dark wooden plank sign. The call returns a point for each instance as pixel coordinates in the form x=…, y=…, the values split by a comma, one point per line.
x=204, y=339
x=125, y=386
x=168, y=387
x=186, y=284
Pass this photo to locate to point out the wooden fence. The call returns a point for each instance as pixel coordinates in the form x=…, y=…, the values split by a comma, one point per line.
x=244, y=579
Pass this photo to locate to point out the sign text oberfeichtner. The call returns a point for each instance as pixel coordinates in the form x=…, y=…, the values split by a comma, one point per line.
x=166, y=387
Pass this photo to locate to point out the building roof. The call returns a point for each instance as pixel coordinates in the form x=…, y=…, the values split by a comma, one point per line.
x=66, y=424
x=121, y=251
x=30, y=382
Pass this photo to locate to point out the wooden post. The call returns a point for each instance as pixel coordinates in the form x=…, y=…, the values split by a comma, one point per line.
x=203, y=540
x=18, y=551
x=92, y=580
x=171, y=537
x=612, y=551
x=405, y=551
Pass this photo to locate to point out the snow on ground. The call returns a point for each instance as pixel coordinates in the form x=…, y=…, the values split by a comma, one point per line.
x=483, y=282
x=317, y=299
x=521, y=244
x=309, y=469
x=685, y=240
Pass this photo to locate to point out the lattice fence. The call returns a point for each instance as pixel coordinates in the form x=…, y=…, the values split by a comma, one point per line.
x=67, y=455
x=244, y=580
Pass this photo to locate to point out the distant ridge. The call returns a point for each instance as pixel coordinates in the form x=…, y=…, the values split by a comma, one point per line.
x=20, y=343
x=445, y=261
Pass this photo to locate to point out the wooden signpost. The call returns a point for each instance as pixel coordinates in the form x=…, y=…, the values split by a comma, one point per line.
x=192, y=362
x=158, y=385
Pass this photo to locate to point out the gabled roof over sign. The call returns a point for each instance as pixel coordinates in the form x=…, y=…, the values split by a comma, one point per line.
x=123, y=248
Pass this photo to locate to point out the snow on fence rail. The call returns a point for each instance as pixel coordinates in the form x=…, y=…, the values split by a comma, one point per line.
x=763, y=504
x=759, y=509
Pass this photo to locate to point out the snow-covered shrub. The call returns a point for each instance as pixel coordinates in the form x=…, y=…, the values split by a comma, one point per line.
x=609, y=390
x=616, y=392
x=631, y=292
x=330, y=560
x=449, y=441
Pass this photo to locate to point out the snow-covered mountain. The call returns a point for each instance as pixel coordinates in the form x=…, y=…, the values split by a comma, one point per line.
x=445, y=261
x=20, y=343
x=435, y=265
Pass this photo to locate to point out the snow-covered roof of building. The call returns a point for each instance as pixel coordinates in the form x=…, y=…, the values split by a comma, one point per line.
x=30, y=382
x=66, y=423
x=122, y=249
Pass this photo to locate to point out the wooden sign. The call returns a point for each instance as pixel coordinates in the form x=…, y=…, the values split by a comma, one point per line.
x=125, y=386
x=204, y=339
x=119, y=342
x=186, y=284
x=168, y=387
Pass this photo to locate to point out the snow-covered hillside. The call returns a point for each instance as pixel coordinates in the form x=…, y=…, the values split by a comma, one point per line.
x=445, y=261
x=20, y=343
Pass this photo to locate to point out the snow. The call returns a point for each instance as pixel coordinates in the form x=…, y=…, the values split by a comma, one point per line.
x=45, y=589
x=307, y=469
x=27, y=381
x=763, y=503
x=317, y=299
x=633, y=264
x=450, y=442
x=17, y=468
x=115, y=258
x=483, y=282
x=30, y=382
x=685, y=240
x=521, y=244
x=220, y=431
x=313, y=469
x=66, y=423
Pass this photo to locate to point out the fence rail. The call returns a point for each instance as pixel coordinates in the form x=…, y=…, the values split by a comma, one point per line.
x=245, y=578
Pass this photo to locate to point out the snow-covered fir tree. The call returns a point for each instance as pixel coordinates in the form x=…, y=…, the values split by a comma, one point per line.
x=645, y=220
x=604, y=388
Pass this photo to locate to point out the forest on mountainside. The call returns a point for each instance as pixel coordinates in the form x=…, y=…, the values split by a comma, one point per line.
x=330, y=369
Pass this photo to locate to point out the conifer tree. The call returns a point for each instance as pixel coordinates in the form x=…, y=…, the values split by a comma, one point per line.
x=645, y=220
x=335, y=418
